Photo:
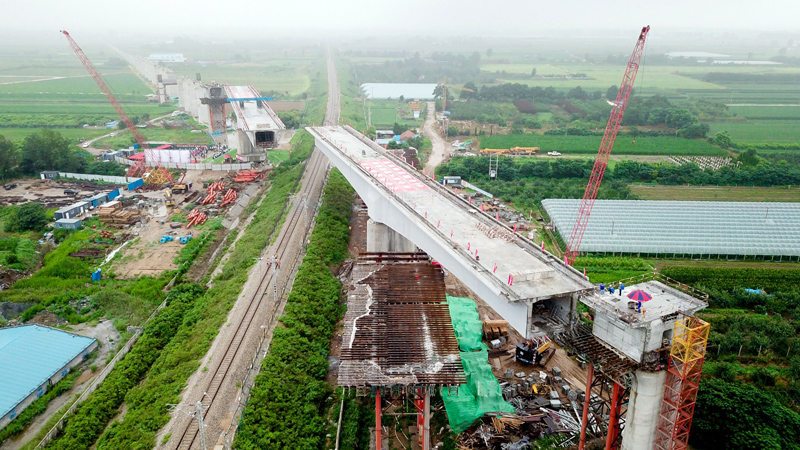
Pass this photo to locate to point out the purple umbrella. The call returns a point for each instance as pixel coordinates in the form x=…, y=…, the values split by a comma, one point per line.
x=640, y=296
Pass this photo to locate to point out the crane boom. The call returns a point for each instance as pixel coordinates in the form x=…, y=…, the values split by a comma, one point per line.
x=150, y=155
x=604, y=153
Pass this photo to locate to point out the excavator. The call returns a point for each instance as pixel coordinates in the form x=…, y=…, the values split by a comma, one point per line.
x=168, y=198
x=535, y=351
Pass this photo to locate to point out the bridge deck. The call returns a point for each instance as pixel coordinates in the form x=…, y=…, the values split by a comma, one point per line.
x=251, y=117
x=537, y=275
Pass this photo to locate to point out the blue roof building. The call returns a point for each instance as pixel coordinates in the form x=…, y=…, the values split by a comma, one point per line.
x=33, y=358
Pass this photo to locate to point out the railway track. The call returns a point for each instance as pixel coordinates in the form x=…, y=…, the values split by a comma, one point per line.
x=292, y=231
x=260, y=307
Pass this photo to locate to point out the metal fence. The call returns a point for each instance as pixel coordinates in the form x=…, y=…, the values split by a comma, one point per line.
x=92, y=177
x=193, y=166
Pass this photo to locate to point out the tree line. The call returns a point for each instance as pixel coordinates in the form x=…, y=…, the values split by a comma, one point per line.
x=48, y=150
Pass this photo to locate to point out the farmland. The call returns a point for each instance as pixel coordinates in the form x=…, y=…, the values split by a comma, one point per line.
x=52, y=89
x=124, y=139
x=760, y=131
x=661, y=145
x=282, y=79
x=716, y=193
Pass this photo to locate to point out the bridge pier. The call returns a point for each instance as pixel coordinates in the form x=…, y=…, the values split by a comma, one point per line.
x=381, y=238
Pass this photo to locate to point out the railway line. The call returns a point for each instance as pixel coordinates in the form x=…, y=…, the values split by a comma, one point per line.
x=261, y=309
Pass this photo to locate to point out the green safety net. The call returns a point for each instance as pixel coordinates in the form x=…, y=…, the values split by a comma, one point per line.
x=482, y=393
x=466, y=323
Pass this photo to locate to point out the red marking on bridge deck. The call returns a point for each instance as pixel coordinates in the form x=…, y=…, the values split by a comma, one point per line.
x=392, y=176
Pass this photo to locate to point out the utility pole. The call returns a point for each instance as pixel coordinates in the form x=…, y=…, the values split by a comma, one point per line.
x=197, y=413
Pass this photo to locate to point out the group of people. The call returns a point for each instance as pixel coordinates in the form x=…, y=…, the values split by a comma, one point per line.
x=611, y=289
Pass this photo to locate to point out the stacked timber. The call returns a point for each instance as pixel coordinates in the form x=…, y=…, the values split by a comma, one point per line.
x=116, y=216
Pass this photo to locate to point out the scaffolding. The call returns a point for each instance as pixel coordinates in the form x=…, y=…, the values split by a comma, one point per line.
x=683, y=379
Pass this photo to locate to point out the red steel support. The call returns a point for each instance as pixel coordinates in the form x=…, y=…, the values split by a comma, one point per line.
x=600, y=163
x=613, y=418
x=586, y=400
x=419, y=402
x=378, y=420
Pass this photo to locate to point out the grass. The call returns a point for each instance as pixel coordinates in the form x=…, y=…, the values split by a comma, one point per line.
x=278, y=155
x=385, y=114
x=589, y=144
x=759, y=131
x=766, y=112
x=74, y=134
x=717, y=193
x=603, y=76
x=123, y=139
x=283, y=79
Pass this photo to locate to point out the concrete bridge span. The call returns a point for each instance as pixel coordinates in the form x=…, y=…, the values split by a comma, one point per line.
x=530, y=288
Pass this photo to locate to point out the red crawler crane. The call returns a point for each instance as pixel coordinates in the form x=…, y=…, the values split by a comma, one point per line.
x=139, y=169
x=605, y=150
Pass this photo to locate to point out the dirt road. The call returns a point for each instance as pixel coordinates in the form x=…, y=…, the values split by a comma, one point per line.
x=439, y=145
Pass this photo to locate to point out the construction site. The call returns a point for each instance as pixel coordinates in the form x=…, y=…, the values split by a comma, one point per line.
x=533, y=368
x=459, y=328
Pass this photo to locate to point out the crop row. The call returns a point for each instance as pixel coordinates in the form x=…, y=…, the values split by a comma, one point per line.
x=288, y=402
x=770, y=280
x=660, y=145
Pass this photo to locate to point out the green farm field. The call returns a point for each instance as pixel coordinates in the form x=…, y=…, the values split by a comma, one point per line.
x=650, y=78
x=767, y=112
x=288, y=77
x=385, y=114
x=760, y=131
x=717, y=193
x=74, y=134
x=673, y=81
x=589, y=144
x=124, y=139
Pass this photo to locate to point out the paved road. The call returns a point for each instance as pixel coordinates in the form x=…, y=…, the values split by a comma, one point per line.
x=439, y=145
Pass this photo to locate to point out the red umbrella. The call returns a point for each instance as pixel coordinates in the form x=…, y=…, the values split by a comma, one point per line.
x=640, y=296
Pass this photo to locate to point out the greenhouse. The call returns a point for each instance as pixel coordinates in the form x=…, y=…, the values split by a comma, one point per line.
x=729, y=230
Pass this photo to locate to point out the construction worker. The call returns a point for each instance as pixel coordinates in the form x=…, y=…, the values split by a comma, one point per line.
x=602, y=288
x=621, y=287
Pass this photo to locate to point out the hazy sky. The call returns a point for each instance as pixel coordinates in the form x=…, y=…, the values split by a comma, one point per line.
x=468, y=17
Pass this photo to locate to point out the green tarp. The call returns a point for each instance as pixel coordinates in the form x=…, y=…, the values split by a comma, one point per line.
x=466, y=323
x=482, y=393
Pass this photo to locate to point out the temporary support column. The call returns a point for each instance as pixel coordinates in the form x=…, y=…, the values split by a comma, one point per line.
x=587, y=396
x=426, y=444
x=378, y=419
x=419, y=402
x=613, y=418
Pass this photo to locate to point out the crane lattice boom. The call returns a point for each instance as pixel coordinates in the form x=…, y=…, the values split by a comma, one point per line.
x=150, y=155
x=604, y=153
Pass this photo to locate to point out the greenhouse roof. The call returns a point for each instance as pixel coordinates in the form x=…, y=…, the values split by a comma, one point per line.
x=698, y=228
